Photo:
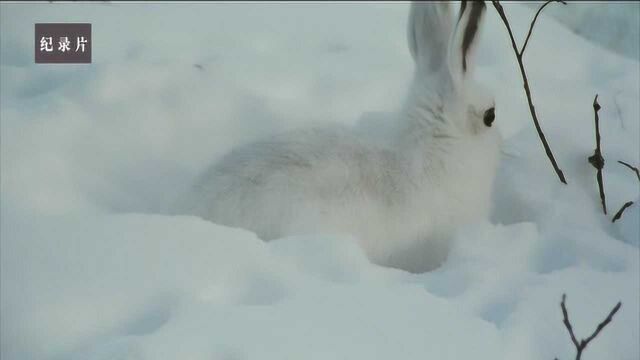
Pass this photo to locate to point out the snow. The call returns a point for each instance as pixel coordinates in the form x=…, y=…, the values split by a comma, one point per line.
x=92, y=156
x=616, y=28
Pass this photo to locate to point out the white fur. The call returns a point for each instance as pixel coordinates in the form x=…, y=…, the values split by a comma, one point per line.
x=402, y=199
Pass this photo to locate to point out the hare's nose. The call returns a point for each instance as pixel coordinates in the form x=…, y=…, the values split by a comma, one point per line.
x=489, y=116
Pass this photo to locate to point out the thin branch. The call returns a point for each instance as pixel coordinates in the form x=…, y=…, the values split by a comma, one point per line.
x=547, y=148
x=601, y=326
x=503, y=16
x=596, y=159
x=567, y=323
x=526, y=41
x=624, y=207
x=580, y=346
x=633, y=168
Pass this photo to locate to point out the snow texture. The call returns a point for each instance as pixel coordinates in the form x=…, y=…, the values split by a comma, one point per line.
x=609, y=24
x=93, y=267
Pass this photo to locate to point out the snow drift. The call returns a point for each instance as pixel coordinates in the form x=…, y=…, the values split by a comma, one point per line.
x=92, y=156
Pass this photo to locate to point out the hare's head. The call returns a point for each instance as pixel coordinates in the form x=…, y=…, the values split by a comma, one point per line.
x=443, y=48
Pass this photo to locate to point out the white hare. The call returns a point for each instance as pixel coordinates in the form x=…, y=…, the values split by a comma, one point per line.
x=401, y=199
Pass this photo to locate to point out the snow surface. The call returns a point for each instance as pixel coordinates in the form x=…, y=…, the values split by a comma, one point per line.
x=615, y=25
x=92, y=155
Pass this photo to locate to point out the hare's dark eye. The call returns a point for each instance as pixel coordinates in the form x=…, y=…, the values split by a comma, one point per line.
x=489, y=116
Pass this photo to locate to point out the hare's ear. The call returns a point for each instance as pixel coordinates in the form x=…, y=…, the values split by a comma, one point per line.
x=429, y=31
x=465, y=39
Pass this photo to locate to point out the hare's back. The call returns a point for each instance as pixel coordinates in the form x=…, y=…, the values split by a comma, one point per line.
x=305, y=166
x=322, y=157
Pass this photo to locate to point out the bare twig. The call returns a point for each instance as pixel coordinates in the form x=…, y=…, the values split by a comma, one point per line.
x=602, y=325
x=566, y=322
x=633, y=168
x=624, y=207
x=519, y=53
x=582, y=344
x=596, y=159
x=535, y=18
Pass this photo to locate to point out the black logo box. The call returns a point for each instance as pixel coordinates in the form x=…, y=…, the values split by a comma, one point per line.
x=72, y=31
